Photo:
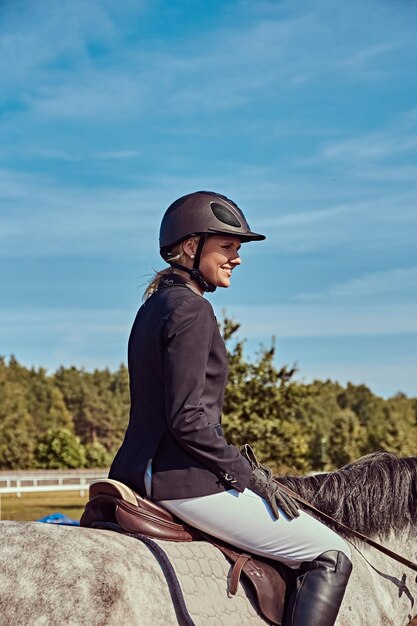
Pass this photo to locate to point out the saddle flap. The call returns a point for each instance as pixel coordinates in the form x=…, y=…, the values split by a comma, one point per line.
x=266, y=577
x=270, y=588
x=137, y=520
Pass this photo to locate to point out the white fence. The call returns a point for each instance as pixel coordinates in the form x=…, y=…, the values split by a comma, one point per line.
x=48, y=481
x=22, y=482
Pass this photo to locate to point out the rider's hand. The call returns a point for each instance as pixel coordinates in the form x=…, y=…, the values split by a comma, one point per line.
x=263, y=484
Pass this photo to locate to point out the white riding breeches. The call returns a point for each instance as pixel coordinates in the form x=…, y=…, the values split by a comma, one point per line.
x=244, y=520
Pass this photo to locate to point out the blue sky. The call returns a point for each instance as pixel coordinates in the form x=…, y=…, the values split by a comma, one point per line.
x=304, y=113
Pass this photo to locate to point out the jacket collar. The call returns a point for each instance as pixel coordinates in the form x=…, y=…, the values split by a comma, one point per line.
x=176, y=280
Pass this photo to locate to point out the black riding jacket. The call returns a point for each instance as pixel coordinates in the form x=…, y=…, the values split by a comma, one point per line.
x=178, y=371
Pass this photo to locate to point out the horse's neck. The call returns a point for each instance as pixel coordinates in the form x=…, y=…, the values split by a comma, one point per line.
x=403, y=543
x=381, y=591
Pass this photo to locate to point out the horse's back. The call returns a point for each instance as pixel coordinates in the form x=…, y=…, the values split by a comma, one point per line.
x=61, y=574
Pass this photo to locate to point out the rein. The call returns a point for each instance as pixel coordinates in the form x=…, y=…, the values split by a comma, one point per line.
x=356, y=533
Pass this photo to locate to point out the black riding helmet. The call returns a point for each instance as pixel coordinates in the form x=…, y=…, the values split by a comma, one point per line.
x=201, y=213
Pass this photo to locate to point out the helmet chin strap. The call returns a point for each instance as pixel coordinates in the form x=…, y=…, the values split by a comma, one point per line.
x=195, y=273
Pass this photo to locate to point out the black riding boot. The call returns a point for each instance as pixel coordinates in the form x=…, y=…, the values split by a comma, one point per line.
x=319, y=592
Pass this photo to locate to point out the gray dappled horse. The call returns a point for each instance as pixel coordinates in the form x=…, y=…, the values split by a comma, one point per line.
x=77, y=576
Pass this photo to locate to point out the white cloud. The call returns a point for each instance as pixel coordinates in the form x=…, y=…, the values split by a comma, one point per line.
x=370, y=63
x=65, y=319
x=386, y=221
x=383, y=378
x=74, y=157
x=63, y=336
x=325, y=320
x=395, y=283
x=96, y=95
x=118, y=154
x=33, y=35
x=387, y=155
x=372, y=147
x=41, y=217
x=388, y=173
x=389, y=282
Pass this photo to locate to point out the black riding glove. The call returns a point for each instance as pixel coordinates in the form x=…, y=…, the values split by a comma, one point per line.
x=263, y=484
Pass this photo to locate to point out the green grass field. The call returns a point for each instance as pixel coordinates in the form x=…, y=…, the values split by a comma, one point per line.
x=33, y=506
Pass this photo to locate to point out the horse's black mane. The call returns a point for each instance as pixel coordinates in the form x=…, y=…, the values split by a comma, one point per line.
x=374, y=495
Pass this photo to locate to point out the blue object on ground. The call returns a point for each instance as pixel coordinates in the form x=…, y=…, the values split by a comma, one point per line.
x=59, y=518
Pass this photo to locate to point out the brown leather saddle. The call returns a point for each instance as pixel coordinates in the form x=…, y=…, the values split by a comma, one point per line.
x=113, y=502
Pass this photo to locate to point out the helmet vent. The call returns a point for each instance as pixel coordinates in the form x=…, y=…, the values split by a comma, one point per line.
x=225, y=215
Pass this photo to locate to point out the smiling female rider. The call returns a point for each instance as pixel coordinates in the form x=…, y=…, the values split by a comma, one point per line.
x=174, y=450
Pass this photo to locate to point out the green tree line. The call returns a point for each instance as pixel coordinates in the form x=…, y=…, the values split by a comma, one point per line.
x=74, y=418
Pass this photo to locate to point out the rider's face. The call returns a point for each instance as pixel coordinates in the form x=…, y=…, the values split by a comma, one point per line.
x=219, y=258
